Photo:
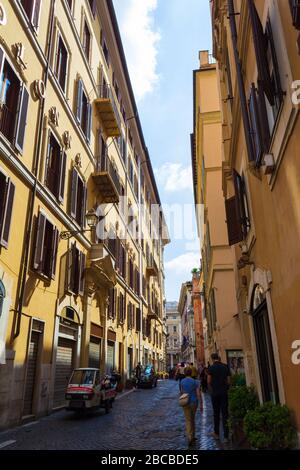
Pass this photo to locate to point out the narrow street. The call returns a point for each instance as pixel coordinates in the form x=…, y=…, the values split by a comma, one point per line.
x=141, y=420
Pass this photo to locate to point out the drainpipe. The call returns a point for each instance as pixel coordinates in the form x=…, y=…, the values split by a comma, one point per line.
x=25, y=263
x=240, y=80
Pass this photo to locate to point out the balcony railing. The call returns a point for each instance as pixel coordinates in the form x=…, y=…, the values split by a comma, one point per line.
x=151, y=267
x=107, y=180
x=108, y=111
x=6, y=121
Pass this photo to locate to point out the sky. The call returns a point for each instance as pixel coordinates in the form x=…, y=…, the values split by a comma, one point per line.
x=162, y=39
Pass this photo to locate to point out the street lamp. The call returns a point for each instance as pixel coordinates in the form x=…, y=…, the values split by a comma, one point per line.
x=91, y=220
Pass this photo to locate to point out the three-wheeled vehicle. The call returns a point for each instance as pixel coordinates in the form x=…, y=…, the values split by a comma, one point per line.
x=87, y=391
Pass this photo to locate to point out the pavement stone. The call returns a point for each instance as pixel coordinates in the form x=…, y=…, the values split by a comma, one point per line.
x=142, y=420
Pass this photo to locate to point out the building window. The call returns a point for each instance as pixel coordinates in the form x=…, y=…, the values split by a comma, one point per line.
x=174, y=329
x=32, y=9
x=93, y=7
x=78, y=198
x=84, y=111
x=269, y=83
x=295, y=11
x=61, y=63
x=104, y=48
x=45, y=247
x=14, y=99
x=237, y=212
x=86, y=43
x=121, y=309
x=2, y=297
x=55, y=168
x=75, y=271
x=70, y=4
x=112, y=307
x=7, y=193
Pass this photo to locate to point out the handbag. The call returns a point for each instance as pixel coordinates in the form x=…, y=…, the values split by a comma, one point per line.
x=184, y=399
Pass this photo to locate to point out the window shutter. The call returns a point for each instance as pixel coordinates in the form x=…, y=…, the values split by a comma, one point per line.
x=234, y=228
x=278, y=91
x=79, y=100
x=239, y=194
x=2, y=57
x=89, y=122
x=21, y=120
x=260, y=46
x=74, y=188
x=138, y=319
x=71, y=267
x=83, y=211
x=39, y=242
x=94, y=6
x=54, y=248
x=295, y=11
x=256, y=129
x=7, y=213
x=36, y=13
x=82, y=258
x=62, y=175
x=128, y=316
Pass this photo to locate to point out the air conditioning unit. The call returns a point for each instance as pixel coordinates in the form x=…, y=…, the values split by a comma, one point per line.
x=268, y=164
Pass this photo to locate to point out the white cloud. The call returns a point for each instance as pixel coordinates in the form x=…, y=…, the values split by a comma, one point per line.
x=183, y=264
x=140, y=38
x=173, y=177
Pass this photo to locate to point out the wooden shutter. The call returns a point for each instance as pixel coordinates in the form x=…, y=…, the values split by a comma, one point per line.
x=295, y=11
x=278, y=92
x=62, y=175
x=260, y=46
x=94, y=7
x=234, y=228
x=138, y=319
x=239, y=194
x=7, y=213
x=54, y=248
x=129, y=316
x=83, y=209
x=256, y=129
x=82, y=259
x=71, y=268
x=79, y=100
x=21, y=120
x=36, y=13
x=73, y=194
x=39, y=242
x=89, y=122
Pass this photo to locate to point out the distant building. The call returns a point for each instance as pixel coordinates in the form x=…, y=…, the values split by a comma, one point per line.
x=186, y=311
x=173, y=323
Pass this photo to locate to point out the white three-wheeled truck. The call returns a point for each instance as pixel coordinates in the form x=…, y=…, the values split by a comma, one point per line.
x=87, y=391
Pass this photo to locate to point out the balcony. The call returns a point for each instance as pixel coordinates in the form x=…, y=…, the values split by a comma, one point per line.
x=153, y=313
x=151, y=267
x=108, y=111
x=106, y=179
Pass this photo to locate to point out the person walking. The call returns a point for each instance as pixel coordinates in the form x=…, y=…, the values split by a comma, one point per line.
x=218, y=382
x=192, y=388
x=180, y=373
x=138, y=371
x=194, y=371
x=203, y=379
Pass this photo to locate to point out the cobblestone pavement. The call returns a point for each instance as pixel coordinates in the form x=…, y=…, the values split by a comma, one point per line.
x=144, y=419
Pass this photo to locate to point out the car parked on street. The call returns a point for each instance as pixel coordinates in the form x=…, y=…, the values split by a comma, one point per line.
x=148, y=378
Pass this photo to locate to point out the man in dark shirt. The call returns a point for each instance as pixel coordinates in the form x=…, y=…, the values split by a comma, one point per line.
x=218, y=382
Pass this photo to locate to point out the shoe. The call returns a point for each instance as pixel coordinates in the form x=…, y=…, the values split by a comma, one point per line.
x=191, y=443
x=214, y=435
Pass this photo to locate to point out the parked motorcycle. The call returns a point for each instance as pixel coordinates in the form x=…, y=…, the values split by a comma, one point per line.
x=88, y=392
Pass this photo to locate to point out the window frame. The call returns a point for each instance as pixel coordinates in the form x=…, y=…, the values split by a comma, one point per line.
x=59, y=35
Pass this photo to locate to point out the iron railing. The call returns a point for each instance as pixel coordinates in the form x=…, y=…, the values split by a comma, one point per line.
x=6, y=121
x=105, y=165
x=106, y=92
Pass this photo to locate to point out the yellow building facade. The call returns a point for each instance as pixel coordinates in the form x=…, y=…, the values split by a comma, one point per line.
x=222, y=329
x=256, y=44
x=82, y=233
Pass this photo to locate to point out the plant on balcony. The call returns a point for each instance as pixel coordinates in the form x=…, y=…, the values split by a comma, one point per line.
x=270, y=427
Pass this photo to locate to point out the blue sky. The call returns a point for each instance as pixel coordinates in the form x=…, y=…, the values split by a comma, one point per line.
x=162, y=39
